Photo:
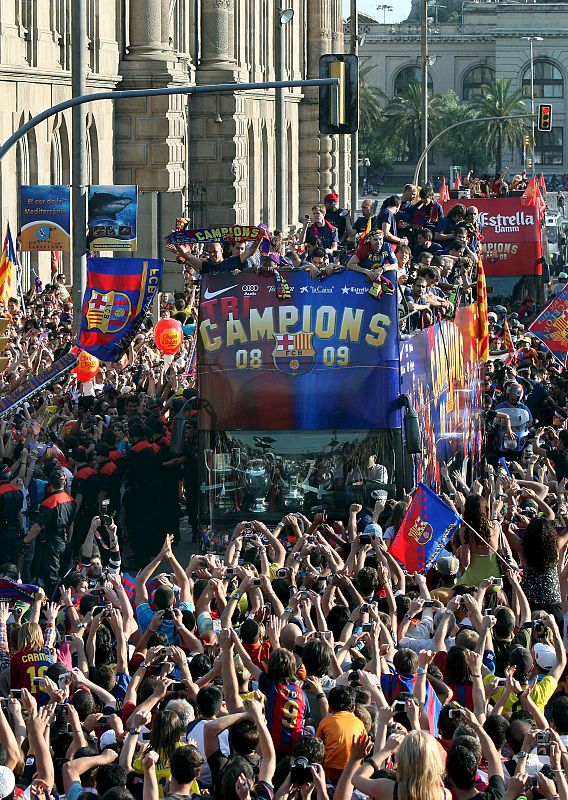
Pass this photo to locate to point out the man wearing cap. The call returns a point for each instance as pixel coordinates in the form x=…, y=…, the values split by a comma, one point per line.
x=55, y=524
x=447, y=567
x=338, y=216
x=11, y=504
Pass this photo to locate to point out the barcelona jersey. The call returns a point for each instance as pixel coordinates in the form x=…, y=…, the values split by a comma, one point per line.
x=286, y=711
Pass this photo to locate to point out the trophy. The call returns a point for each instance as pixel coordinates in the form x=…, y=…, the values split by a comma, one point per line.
x=257, y=480
x=222, y=478
x=296, y=475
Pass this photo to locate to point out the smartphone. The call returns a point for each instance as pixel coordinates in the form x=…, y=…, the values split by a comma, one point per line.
x=326, y=634
x=399, y=705
x=497, y=582
x=178, y=686
x=64, y=679
x=230, y=571
x=16, y=694
x=367, y=627
x=502, y=682
x=145, y=736
x=428, y=604
x=256, y=582
x=454, y=712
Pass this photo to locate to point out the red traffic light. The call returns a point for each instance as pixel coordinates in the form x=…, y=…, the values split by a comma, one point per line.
x=545, y=117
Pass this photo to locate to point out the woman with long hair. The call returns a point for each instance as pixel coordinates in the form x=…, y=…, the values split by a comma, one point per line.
x=419, y=771
x=31, y=659
x=165, y=738
x=539, y=550
x=479, y=541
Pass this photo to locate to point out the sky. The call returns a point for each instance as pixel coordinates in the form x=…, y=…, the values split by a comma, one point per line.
x=400, y=11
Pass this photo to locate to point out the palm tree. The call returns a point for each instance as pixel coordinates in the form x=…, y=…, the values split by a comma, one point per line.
x=499, y=99
x=371, y=102
x=403, y=118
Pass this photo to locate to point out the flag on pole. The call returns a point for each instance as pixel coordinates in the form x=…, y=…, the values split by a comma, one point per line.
x=533, y=197
x=542, y=183
x=367, y=230
x=483, y=322
x=551, y=325
x=7, y=268
x=425, y=529
x=457, y=181
x=509, y=342
x=444, y=192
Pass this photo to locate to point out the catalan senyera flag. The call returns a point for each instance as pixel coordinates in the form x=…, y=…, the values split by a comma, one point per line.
x=483, y=337
x=367, y=231
x=508, y=339
x=7, y=268
x=444, y=192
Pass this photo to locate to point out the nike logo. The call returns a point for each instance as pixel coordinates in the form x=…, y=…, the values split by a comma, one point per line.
x=210, y=295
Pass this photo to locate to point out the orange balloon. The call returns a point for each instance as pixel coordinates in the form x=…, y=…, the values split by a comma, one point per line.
x=168, y=335
x=87, y=366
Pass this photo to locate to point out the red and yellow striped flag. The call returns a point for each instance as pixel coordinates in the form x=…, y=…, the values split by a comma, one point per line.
x=483, y=329
x=7, y=268
x=367, y=231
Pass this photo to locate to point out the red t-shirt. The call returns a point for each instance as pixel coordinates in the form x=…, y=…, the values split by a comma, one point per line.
x=27, y=664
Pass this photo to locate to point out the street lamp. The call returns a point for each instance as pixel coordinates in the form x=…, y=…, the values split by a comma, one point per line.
x=384, y=8
x=354, y=50
x=283, y=17
x=424, y=58
x=530, y=40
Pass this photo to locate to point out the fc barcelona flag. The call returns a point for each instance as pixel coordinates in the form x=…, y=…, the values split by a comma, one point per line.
x=118, y=296
x=425, y=529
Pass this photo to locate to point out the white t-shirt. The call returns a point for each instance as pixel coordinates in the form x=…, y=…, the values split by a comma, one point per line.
x=197, y=732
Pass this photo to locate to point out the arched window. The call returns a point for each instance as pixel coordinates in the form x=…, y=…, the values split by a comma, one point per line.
x=548, y=80
x=410, y=74
x=475, y=79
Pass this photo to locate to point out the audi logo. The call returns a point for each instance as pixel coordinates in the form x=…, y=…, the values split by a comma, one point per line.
x=250, y=288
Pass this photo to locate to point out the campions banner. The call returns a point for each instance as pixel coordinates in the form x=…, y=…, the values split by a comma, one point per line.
x=510, y=233
x=326, y=358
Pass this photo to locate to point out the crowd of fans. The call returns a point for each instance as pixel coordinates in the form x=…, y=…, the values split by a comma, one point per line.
x=303, y=661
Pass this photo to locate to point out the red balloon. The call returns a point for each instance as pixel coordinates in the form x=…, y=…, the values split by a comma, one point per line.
x=87, y=367
x=168, y=335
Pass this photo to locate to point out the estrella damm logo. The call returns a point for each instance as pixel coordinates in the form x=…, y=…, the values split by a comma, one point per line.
x=421, y=531
x=108, y=312
x=294, y=353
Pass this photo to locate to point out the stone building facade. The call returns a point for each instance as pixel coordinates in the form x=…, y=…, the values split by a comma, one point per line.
x=223, y=144
x=486, y=42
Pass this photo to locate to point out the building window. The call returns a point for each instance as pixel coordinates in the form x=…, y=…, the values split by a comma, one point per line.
x=408, y=75
x=549, y=146
x=548, y=80
x=475, y=79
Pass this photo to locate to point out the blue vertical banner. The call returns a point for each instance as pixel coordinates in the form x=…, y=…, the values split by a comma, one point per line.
x=45, y=218
x=112, y=218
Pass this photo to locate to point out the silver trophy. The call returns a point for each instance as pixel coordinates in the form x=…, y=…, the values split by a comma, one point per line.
x=296, y=474
x=222, y=478
x=257, y=479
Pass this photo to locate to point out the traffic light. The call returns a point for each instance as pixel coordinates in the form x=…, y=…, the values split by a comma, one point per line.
x=545, y=117
x=528, y=163
x=527, y=140
x=4, y=342
x=339, y=106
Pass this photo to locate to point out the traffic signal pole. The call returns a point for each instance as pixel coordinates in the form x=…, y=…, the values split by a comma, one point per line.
x=79, y=172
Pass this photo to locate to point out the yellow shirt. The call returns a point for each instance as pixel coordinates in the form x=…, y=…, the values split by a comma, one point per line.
x=163, y=773
x=540, y=694
x=337, y=732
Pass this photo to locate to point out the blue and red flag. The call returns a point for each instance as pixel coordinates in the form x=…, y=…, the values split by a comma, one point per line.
x=551, y=325
x=425, y=529
x=117, y=298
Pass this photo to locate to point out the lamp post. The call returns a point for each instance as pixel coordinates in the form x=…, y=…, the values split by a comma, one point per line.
x=354, y=49
x=78, y=160
x=424, y=67
x=530, y=40
x=384, y=8
x=283, y=17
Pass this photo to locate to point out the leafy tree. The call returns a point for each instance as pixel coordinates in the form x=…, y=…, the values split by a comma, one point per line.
x=372, y=142
x=499, y=99
x=403, y=120
x=463, y=145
